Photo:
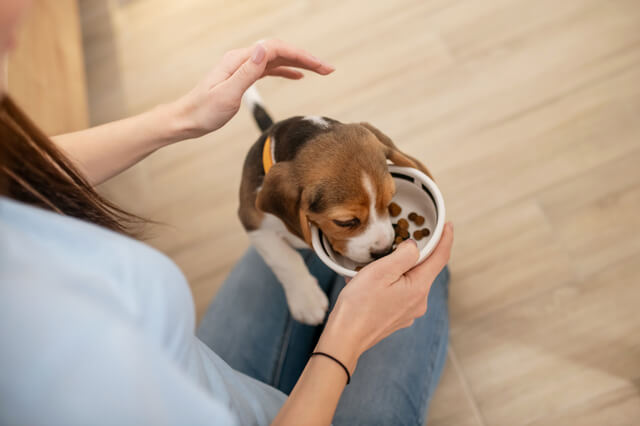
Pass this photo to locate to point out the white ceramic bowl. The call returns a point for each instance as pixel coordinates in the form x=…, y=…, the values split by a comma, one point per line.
x=415, y=192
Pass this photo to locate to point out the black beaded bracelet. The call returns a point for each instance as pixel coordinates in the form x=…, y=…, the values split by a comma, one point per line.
x=346, y=370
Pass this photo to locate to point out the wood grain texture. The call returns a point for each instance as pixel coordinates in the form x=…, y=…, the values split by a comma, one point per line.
x=558, y=349
x=525, y=111
x=452, y=404
x=46, y=71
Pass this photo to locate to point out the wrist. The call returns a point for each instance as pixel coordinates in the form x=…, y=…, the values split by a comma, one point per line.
x=339, y=340
x=176, y=121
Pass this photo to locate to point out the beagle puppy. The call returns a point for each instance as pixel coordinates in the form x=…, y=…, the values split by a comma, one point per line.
x=316, y=170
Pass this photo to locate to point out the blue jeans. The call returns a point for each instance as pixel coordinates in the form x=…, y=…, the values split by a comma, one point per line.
x=249, y=326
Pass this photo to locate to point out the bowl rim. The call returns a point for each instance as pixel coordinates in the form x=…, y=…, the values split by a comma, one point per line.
x=432, y=188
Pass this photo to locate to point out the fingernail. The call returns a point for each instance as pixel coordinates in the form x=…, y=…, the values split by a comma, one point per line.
x=450, y=225
x=323, y=63
x=258, y=53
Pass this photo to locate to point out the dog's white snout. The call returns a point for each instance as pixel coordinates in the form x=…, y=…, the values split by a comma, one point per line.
x=384, y=233
x=377, y=238
x=384, y=240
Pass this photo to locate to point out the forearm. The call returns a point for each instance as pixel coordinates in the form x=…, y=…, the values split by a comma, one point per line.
x=315, y=396
x=104, y=151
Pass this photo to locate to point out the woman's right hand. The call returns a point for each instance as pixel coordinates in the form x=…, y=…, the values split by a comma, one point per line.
x=216, y=99
x=385, y=296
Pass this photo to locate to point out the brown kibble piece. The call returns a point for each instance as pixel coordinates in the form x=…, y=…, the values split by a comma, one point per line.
x=398, y=239
x=403, y=233
x=403, y=224
x=419, y=220
x=425, y=232
x=412, y=216
x=394, y=209
x=417, y=235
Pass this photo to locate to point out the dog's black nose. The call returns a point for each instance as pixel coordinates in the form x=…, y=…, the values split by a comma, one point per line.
x=379, y=254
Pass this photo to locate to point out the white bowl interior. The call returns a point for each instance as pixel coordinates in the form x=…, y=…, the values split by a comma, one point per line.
x=415, y=192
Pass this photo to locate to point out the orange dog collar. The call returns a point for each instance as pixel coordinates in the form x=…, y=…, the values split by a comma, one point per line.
x=267, y=155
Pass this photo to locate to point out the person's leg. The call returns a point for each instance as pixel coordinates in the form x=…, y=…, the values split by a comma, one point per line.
x=249, y=326
x=394, y=381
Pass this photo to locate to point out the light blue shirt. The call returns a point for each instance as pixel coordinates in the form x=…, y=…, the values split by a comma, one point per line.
x=97, y=328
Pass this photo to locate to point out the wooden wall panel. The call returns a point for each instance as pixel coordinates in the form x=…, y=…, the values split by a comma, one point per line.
x=46, y=71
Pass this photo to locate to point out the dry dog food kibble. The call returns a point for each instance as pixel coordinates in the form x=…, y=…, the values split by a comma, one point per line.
x=401, y=228
x=416, y=218
x=394, y=209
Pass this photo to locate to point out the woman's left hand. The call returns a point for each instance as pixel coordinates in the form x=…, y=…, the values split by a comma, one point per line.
x=216, y=99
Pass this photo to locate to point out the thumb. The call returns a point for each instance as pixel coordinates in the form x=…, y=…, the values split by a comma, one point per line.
x=392, y=266
x=248, y=73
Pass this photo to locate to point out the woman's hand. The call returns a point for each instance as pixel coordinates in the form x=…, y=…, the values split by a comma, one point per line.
x=216, y=99
x=385, y=296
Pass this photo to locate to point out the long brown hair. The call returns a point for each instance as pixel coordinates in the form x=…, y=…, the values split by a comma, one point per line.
x=34, y=171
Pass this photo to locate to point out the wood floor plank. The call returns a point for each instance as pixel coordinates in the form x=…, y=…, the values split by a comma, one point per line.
x=546, y=354
x=503, y=257
x=450, y=405
x=45, y=73
x=617, y=408
x=572, y=143
x=603, y=232
x=595, y=215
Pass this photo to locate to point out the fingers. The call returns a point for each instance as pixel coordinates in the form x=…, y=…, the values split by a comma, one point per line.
x=285, y=72
x=232, y=60
x=229, y=64
x=283, y=54
x=428, y=270
x=272, y=57
x=279, y=55
x=251, y=70
x=389, y=268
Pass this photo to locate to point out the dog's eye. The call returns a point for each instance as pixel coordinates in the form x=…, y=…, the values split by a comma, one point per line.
x=347, y=223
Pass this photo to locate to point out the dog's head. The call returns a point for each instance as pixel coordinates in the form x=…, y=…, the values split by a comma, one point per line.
x=339, y=181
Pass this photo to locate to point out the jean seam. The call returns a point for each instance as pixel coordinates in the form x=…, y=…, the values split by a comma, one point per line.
x=284, y=344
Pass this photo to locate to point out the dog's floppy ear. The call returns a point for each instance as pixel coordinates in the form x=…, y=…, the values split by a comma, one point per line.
x=393, y=154
x=280, y=195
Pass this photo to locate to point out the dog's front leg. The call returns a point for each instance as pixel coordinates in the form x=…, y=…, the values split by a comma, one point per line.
x=307, y=302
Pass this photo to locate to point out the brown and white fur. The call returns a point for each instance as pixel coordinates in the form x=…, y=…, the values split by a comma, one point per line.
x=327, y=173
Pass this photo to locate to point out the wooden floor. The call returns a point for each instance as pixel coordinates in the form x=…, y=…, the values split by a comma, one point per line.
x=527, y=113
